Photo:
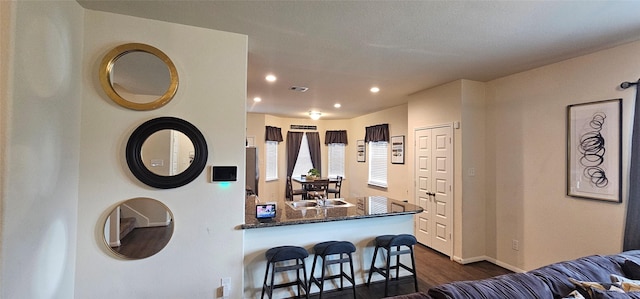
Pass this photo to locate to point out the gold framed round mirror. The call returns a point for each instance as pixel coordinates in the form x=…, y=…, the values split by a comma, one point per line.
x=138, y=76
x=138, y=228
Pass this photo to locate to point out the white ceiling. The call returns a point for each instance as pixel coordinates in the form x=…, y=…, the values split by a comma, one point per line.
x=339, y=49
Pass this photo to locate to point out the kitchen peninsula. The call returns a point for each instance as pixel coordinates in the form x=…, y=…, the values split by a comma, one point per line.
x=309, y=211
x=303, y=223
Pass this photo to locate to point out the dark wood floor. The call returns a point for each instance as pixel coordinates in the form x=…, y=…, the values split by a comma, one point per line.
x=434, y=269
x=145, y=242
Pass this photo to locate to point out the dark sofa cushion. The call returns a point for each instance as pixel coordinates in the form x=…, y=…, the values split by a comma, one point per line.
x=590, y=268
x=633, y=255
x=516, y=285
x=631, y=269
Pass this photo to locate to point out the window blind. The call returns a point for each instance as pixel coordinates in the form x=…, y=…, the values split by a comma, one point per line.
x=336, y=159
x=378, y=163
x=271, y=161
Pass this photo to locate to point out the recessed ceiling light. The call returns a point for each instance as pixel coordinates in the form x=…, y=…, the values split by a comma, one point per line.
x=257, y=99
x=271, y=78
x=337, y=105
x=374, y=89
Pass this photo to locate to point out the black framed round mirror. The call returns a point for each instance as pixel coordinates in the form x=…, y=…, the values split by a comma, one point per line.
x=142, y=165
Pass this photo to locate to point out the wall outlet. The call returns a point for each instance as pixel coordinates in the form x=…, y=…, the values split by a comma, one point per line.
x=471, y=171
x=515, y=245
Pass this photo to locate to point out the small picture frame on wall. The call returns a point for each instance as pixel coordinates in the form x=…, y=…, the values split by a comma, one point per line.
x=361, y=151
x=397, y=149
x=594, y=150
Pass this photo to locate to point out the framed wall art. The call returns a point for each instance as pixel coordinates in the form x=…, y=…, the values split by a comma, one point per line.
x=361, y=152
x=397, y=149
x=594, y=150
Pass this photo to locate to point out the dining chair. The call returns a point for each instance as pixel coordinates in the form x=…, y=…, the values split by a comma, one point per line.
x=319, y=187
x=336, y=190
x=293, y=192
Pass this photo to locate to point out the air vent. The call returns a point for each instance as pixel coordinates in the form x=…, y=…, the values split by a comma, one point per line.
x=299, y=88
x=304, y=127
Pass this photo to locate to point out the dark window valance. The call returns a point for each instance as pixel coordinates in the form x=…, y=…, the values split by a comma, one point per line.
x=377, y=133
x=273, y=134
x=335, y=137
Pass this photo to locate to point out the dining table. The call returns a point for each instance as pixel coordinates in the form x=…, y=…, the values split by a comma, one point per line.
x=311, y=184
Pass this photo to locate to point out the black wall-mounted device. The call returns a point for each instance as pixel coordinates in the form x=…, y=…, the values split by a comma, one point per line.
x=224, y=173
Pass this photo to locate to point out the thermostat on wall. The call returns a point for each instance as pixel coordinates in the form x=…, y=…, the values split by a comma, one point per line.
x=224, y=173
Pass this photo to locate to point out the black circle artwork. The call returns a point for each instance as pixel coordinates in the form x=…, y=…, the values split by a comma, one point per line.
x=139, y=169
x=592, y=148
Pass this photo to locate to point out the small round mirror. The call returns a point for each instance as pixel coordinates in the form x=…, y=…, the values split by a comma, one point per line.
x=166, y=142
x=138, y=228
x=138, y=76
x=167, y=152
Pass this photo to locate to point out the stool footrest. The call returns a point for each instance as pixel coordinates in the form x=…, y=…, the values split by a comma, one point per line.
x=379, y=271
x=403, y=266
x=337, y=261
x=287, y=268
x=288, y=284
x=343, y=274
x=383, y=272
x=399, y=252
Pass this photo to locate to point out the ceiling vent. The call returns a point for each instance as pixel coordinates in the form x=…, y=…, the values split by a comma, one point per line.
x=299, y=88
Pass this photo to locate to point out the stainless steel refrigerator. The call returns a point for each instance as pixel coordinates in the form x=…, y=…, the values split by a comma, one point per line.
x=252, y=171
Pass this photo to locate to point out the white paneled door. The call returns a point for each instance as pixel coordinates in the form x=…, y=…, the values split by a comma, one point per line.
x=434, y=187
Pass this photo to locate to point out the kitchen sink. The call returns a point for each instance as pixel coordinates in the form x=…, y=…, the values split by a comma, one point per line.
x=302, y=204
x=310, y=204
x=336, y=203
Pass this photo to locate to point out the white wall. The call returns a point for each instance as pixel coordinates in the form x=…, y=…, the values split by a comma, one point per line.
x=206, y=246
x=41, y=97
x=526, y=140
x=472, y=171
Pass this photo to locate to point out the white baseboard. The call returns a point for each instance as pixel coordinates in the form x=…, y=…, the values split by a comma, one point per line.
x=488, y=259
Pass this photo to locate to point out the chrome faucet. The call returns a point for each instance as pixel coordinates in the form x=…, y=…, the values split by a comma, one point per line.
x=320, y=200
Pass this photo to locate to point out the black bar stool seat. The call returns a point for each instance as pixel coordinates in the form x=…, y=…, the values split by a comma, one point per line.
x=283, y=254
x=329, y=248
x=391, y=242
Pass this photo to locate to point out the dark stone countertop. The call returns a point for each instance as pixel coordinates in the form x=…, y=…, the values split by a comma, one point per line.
x=356, y=208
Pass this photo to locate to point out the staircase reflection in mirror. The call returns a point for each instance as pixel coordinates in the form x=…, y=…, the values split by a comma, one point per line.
x=138, y=228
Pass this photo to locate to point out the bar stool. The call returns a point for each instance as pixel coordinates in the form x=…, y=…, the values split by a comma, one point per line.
x=325, y=249
x=388, y=242
x=282, y=254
